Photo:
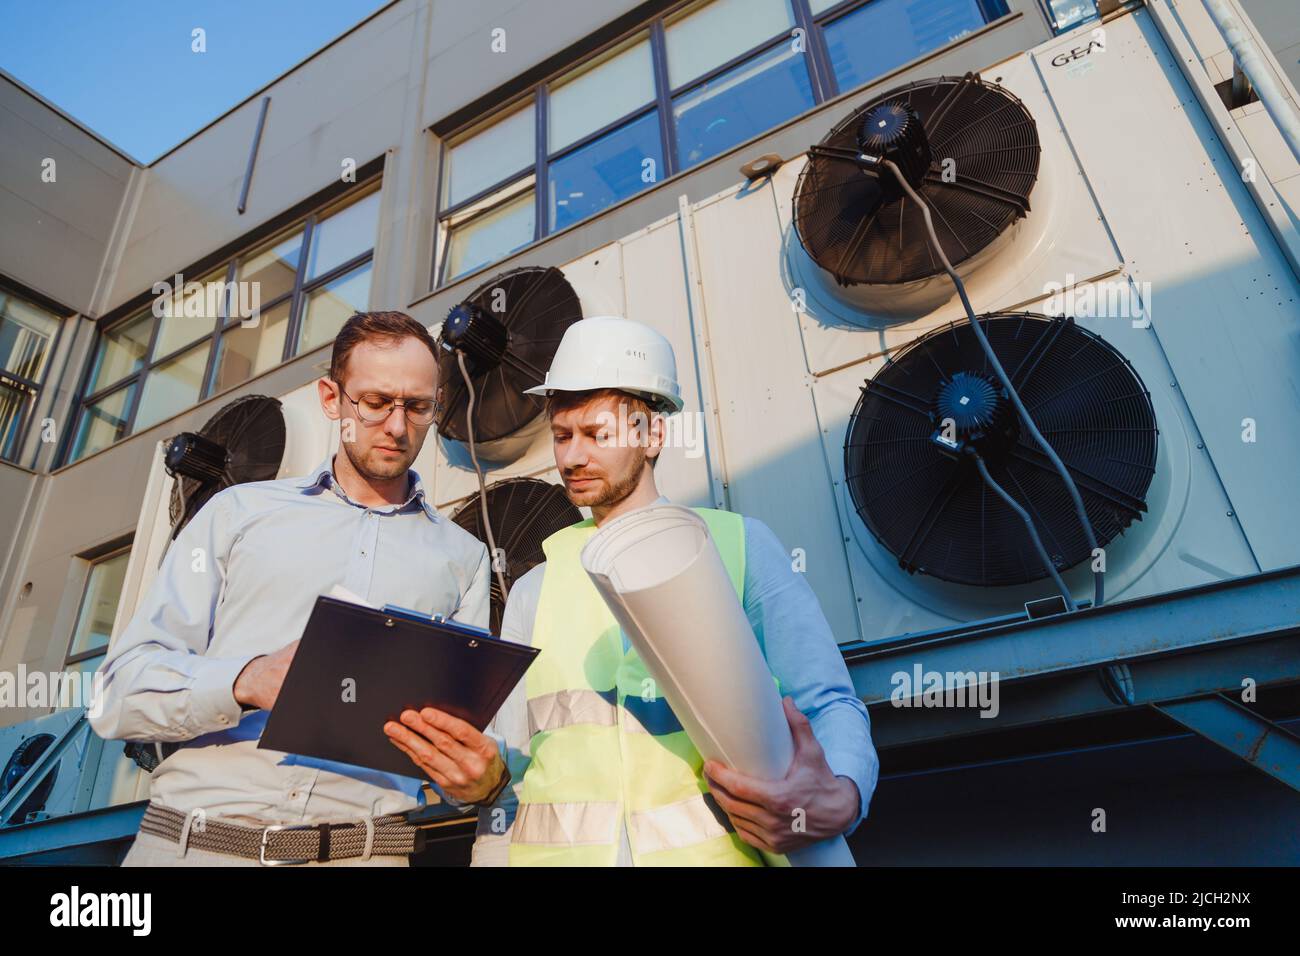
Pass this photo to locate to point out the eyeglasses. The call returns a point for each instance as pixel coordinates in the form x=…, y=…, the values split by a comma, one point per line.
x=374, y=407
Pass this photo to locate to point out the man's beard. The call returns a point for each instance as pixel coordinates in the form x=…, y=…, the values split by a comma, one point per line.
x=381, y=470
x=613, y=492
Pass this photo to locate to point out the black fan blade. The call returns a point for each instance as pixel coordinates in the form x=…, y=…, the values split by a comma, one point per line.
x=251, y=429
x=535, y=306
x=523, y=513
x=984, y=163
x=929, y=507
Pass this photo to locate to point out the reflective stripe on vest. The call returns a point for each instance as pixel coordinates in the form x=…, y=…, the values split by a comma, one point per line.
x=667, y=827
x=566, y=824
x=565, y=707
x=680, y=824
x=605, y=748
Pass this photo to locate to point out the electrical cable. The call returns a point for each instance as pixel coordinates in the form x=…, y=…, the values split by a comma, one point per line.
x=1097, y=575
x=482, y=491
x=1029, y=524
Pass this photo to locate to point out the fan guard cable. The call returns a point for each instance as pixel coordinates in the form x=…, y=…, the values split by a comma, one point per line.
x=1097, y=575
x=1029, y=526
x=478, y=472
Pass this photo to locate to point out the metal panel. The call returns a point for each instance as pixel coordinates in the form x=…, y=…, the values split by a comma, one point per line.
x=655, y=288
x=1226, y=305
x=1186, y=537
x=1258, y=607
x=770, y=427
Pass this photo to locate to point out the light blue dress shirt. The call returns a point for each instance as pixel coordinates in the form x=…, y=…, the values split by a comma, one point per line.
x=800, y=650
x=241, y=580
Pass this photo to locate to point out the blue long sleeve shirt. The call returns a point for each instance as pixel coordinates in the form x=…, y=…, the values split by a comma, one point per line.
x=241, y=580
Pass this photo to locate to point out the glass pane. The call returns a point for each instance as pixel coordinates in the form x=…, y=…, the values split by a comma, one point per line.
x=274, y=268
x=247, y=351
x=25, y=335
x=172, y=387
x=600, y=95
x=605, y=171
x=13, y=405
x=491, y=236
x=75, y=695
x=888, y=33
x=343, y=236
x=99, y=604
x=190, y=312
x=102, y=423
x=720, y=32
x=491, y=156
x=741, y=103
x=121, y=351
x=328, y=307
x=1066, y=13
x=817, y=6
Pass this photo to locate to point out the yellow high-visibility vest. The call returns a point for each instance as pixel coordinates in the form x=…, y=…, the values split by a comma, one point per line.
x=605, y=746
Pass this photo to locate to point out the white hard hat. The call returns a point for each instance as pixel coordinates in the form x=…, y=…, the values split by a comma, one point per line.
x=607, y=351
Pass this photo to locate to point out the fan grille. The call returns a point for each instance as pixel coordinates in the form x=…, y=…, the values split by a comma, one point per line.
x=524, y=512
x=992, y=142
x=535, y=306
x=251, y=430
x=933, y=511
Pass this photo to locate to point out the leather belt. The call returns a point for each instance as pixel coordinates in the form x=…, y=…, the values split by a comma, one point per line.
x=287, y=843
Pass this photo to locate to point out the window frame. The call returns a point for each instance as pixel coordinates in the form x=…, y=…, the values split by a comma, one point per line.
x=307, y=223
x=91, y=560
x=20, y=383
x=821, y=76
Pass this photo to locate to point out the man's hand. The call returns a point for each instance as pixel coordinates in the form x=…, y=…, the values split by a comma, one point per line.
x=465, y=763
x=809, y=805
x=258, y=684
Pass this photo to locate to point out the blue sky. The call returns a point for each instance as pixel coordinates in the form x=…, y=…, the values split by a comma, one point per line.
x=127, y=70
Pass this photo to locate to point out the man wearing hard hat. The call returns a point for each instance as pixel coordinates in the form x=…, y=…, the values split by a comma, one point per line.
x=598, y=776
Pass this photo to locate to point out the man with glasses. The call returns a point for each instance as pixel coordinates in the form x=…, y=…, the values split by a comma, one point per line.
x=201, y=663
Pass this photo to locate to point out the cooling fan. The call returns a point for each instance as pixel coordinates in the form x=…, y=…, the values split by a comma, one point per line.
x=909, y=454
x=525, y=512
x=969, y=148
x=244, y=441
x=508, y=330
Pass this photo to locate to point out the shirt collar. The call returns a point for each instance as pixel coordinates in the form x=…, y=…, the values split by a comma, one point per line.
x=323, y=477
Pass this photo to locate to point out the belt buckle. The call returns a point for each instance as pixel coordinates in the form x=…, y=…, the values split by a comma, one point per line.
x=266, y=832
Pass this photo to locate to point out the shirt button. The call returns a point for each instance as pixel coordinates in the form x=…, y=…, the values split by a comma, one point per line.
x=223, y=719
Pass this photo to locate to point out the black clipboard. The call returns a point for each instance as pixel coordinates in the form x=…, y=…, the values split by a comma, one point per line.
x=396, y=659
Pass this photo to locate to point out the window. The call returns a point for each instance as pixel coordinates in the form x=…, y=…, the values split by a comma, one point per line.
x=98, y=608
x=27, y=335
x=284, y=296
x=741, y=103
x=885, y=34
x=1064, y=14
x=693, y=83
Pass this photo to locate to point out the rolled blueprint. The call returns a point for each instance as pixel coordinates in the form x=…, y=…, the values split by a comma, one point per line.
x=663, y=579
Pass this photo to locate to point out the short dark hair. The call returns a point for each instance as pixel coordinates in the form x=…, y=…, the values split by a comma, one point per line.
x=364, y=326
x=563, y=401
